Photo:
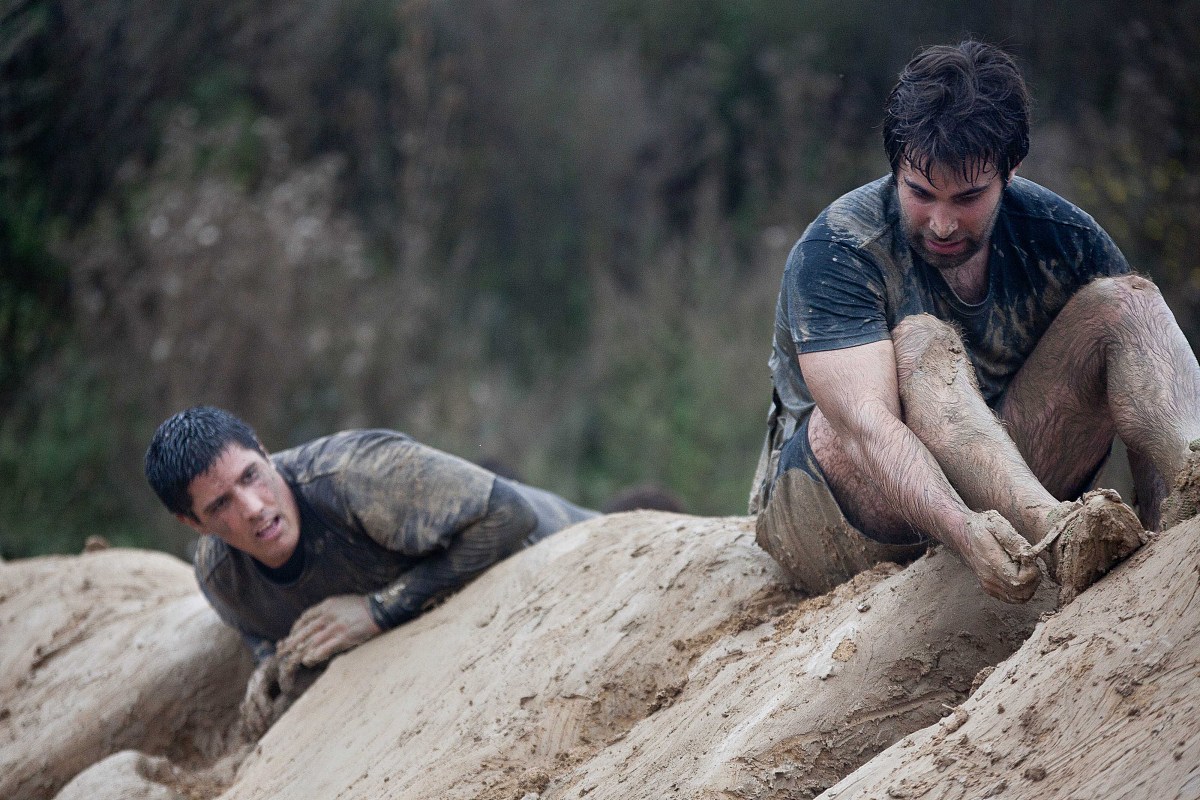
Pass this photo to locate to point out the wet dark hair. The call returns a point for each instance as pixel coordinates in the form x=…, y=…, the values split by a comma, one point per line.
x=186, y=446
x=962, y=107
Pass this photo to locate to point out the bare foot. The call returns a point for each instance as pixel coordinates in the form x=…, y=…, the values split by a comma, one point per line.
x=1089, y=537
x=1004, y=562
x=1184, y=500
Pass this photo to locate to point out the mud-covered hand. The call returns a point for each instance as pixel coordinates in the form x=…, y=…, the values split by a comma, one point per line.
x=326, y=629
x=1003, y=561
x=259, y=706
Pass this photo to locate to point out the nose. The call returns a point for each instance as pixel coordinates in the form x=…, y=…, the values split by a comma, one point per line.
x=251, y=504
x=942, y=223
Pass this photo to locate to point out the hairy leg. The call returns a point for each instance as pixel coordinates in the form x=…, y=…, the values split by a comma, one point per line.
x=1079, y=540
x=943, y=406
x=1113, y=361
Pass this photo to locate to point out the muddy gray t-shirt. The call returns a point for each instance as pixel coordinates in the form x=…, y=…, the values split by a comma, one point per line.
x=852, y=278
x=381, y=515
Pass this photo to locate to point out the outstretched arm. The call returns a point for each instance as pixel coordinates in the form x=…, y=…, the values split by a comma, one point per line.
x=857, y=393
x=497, y=535
x=345, y=621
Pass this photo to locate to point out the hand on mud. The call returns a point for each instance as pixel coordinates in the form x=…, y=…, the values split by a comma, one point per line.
x=1002, y=560
x=271, y=690
x=326, y=629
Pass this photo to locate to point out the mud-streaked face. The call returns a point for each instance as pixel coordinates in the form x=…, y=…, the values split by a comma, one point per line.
x=948, y=220
x=243, y=500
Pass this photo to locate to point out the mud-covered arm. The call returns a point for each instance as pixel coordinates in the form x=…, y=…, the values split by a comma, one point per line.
x=856, y=390
x=498, y=534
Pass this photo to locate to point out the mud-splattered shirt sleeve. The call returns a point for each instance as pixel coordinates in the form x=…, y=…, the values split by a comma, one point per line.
x=835, y=296
x=408, y=497
x=498, y=534
x=1106, y=258
x=446, y=514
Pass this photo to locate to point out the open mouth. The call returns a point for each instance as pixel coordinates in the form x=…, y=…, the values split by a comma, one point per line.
x=270, y=530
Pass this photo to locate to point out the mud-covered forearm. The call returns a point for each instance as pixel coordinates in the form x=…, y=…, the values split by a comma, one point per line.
x=500, y=533
x=907, y=475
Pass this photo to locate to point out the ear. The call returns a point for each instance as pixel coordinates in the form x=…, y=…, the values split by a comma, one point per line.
x=195, y=525
x=1012, y=172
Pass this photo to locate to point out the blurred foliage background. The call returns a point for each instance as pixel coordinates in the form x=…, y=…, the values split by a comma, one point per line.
x=542, y=233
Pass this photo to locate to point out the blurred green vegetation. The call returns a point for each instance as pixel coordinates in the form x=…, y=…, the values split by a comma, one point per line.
x=548, y=233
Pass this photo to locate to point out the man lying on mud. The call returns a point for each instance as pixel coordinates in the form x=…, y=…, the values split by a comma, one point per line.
x=319, y=548
x=955, y=349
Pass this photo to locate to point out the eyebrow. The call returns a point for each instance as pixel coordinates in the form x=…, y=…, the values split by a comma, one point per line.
x=971, y=192
x=216, y=501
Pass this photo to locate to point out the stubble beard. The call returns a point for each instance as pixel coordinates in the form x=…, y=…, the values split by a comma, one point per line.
x=940, y=261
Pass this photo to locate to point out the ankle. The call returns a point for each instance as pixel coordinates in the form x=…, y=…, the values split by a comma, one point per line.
x=1051, y=516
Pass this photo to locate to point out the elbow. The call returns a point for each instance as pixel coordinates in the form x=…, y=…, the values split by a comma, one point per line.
x=510, y=516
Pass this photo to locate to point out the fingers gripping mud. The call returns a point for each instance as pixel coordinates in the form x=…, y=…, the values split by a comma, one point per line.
x=1004, y=562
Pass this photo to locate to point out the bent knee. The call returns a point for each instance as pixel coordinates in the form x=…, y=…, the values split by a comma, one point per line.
x=920, y=337
x=1114, y=298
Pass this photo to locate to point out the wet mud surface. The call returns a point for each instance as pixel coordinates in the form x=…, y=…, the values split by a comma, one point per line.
x=642, y=654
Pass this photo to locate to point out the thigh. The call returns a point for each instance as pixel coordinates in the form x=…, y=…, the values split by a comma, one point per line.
x=804, y=530
x=1056, y=407
x=857, y=495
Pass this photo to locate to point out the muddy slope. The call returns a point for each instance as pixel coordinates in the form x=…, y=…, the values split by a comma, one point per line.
x=639, y=655
x=103, y=652
x=1103, y=701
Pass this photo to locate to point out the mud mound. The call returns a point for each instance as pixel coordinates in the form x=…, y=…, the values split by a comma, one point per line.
x=1101, y=702
x=103, y=652
x=633, y=656
x=636, y=655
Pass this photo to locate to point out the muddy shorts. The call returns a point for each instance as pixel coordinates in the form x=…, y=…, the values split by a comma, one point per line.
x=800, y=523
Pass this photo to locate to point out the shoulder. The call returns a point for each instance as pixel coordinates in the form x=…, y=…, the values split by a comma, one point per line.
x=1034, y=204
x=212, y=556
x=385, y=483
x=342, y=452
x=1047, y=227
x=858, y=217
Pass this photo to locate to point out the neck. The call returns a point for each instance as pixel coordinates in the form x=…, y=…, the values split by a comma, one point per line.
x=969, y=281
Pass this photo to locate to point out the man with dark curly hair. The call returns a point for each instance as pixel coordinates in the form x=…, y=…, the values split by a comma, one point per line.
x=955, y=350
x=318, y=548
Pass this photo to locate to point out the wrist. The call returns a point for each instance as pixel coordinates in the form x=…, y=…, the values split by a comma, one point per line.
x=387, y=610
